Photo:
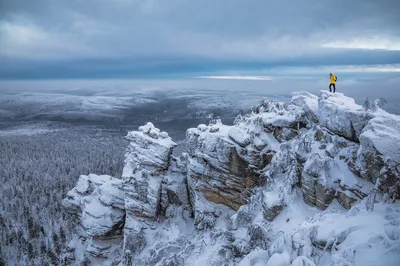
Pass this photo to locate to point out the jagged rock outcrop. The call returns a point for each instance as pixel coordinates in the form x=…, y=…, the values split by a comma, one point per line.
x=316, y=186
x=222, y=168
x=379, y=153
x=217, y=171
x=251, y=193
x=308, y=103
x=99, y=203
x=342, y=115
x=225, y=160
x=147, y=158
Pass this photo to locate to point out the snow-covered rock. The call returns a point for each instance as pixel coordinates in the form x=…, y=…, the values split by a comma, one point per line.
x=309, y=104
x=148, y=193
x=147, y=157
x=240, y=136
x=342, y=115
x=272, y=204
x=149, y=149
x=174, y=190
x=224, y=163
x=99, y=203
x=312, y=182
x=218, y=171
x=379, y=153
x=316, y=185
x=278, y=114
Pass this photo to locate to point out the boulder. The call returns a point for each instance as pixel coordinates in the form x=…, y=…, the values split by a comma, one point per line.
x=244, y=217
x=134, y=241
x=165, y=254
x=143, y=195
x=203, y=211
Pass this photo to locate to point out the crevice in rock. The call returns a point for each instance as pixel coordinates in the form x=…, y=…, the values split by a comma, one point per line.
x=190, y=197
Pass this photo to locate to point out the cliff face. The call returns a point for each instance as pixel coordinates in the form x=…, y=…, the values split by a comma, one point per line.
x=287, y=184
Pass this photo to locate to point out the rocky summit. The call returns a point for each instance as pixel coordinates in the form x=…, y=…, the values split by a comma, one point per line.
x=315, y=181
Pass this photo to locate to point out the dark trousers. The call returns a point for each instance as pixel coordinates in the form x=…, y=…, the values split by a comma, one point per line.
x=330, y=88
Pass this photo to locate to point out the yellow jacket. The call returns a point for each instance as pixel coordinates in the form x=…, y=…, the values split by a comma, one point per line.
x=333, y=79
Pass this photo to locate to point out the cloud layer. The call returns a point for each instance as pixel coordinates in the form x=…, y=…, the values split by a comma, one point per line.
x=158, y=34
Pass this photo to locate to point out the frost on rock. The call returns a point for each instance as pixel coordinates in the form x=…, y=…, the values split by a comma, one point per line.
x=379, y=153
x=224, y=164
x=316, y=189
x=218, y=171
x=147, y=158
x=317, y=162
x=342, y=115
x=277, y=114
x=98, y=201
x=149, y=183
x=210, y=168
x=174, y=190
x=309, y=104
x=149, y=149
x=272, y=204
x=240, y=136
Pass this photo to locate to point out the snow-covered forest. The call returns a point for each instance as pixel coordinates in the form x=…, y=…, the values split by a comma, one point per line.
x=36, y=172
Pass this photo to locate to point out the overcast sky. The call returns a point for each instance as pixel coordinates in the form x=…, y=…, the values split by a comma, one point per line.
x=92, y=38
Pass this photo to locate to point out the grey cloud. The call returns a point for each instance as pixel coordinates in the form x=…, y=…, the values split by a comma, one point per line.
x=230, y=29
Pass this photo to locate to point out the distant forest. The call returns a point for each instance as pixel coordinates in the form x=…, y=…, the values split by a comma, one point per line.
x=36, y=172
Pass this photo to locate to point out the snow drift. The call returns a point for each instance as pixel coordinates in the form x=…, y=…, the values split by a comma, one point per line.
x=312, y=182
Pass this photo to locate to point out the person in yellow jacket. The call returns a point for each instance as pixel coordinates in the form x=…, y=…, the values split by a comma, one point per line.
x=333, y=79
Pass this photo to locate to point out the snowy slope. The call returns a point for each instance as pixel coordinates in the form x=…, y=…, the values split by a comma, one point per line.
x=312, y=182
